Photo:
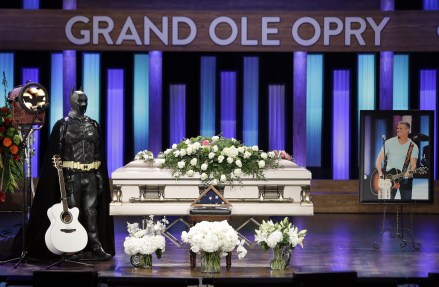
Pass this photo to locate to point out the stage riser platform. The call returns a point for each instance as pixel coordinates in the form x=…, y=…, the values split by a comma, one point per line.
x=334, y=243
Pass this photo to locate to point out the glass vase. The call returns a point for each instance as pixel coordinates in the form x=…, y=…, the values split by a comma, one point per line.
x=142, y=261
x=281, y=257
x=210, y=262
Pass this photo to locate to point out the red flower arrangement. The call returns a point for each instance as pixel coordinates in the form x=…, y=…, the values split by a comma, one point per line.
x=11, y=165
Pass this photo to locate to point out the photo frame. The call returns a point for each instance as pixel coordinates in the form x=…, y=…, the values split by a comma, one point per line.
x=378, y=136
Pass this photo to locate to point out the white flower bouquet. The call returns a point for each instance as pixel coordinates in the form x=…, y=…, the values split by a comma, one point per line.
x=214, y=239
x=218, y=160
x=146, y=240
x=282, y=237
x=145, y=155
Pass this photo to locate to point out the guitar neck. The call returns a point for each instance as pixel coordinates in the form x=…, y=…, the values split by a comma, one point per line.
x=399, y=175
x=62, y=187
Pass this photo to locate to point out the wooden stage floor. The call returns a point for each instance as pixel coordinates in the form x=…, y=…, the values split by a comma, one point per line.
x=335, y=242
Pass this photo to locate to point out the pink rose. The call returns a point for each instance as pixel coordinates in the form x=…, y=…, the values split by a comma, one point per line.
x=205, y=143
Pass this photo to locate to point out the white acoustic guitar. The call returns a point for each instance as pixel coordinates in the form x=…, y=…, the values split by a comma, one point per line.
x=65, y=233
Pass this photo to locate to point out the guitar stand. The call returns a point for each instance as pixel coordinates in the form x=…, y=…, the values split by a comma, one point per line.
x=64, y=258
x=399, y=231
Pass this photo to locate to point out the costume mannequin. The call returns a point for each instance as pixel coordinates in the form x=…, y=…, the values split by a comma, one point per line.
x=81, y=157
x=77, y=139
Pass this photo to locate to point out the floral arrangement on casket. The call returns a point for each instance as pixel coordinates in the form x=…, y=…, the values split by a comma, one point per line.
x=11, y=155
x=282, y=237
x=213, y=239
x=145, y=155
x=143, y=242
x=219, y=160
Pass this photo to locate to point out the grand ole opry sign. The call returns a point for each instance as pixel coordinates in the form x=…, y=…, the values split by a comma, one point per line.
x=144, y=30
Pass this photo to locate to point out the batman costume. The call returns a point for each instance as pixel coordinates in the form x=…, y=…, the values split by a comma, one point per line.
x=77, y=139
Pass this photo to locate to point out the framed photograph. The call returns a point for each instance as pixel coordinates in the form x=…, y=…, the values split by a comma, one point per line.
x=396, y=156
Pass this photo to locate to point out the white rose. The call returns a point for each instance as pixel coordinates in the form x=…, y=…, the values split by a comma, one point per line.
x=159, y=161
x=194, y=161
x=189, y=150
x=203, y=176
x=237, y=172
x=181, y=164
x=204, y=166
x=223, y=178
x=177, y=153
x=241, y=149
x=238, y=163
x=174, y=146
x=182, y=152
x=229, y=159
x=196, y=145
x=190, y=172
x=187, y=141
x=215, y=148
x=215, y=138
x=225, y=151
x=255, y=148
x=261, y=163
x=247, y=154
x=271, y=154
x=264, y=155
x=211, y=155
x=168, y=151
x=220, y=158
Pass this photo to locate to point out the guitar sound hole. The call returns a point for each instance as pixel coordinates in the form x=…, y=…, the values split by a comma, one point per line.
x=66, y=217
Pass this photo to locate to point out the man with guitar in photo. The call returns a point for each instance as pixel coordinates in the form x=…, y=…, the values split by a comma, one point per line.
x=399, y=155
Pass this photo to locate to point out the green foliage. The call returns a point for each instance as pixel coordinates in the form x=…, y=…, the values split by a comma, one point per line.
x=11, y=153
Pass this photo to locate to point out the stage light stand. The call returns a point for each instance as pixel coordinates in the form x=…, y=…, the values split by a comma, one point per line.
x=27, y=131
x=28, y=104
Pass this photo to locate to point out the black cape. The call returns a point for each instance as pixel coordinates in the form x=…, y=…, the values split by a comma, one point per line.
x=48, y=193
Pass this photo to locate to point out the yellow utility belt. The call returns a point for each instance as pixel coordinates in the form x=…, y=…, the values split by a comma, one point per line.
x=81, y=166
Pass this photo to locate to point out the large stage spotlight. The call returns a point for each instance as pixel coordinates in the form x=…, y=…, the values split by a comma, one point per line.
x=28, y=104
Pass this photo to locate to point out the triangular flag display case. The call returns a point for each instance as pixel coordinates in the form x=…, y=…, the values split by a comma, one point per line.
x=211, y=197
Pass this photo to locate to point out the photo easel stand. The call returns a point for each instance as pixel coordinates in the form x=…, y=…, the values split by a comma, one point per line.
x=399, y=230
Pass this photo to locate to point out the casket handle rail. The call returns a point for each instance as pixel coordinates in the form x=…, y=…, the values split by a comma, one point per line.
x=238, y=200
x=117, y=193
x=305, y=195
x=271, y=192
x=156, y=192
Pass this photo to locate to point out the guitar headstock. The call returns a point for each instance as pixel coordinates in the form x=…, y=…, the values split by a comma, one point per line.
x=422, y=170
x=57, y=163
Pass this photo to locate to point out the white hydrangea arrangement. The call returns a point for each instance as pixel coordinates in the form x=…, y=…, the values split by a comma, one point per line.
x=283, y=233
x=146, y=240
x=214, y=236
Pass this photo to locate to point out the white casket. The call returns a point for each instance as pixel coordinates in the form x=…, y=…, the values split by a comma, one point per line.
x=142, y=189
